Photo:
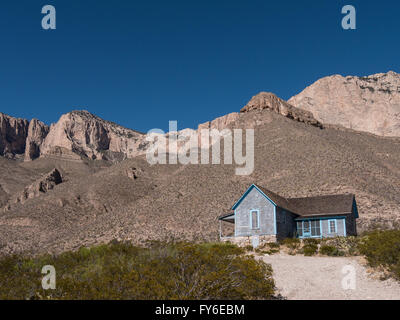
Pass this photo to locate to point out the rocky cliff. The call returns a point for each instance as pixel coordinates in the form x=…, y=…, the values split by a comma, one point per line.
x=90, y=136
x=267, y=100
x=37, y=132
x=370, y=104
x=13, y=134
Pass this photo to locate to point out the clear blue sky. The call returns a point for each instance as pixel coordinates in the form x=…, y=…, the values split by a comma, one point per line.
x=143, y=63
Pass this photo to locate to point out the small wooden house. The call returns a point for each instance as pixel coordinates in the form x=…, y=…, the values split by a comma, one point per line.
x=263, y=214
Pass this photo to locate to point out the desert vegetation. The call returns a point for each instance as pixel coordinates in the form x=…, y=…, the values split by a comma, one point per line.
x=382, y=250
x=380, y=247
x=157, y=271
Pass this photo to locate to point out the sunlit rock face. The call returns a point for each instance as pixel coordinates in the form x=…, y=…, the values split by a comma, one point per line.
x=89, y=136
x=370, y=104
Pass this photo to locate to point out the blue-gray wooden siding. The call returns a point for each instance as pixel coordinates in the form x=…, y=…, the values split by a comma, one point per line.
x=254, y=200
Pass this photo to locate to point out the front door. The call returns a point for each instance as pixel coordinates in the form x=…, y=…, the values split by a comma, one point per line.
x=306, y=229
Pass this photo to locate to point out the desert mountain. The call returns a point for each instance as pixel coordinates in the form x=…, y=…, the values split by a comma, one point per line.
x=370, y=104
x=97, y=201
x=89, y=136
x=76, y=135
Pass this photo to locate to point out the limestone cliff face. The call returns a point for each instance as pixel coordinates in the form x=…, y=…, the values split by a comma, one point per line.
x=370, y=104
x=89, y=136
x=37, y=132
x=267, y=100
x=221, y=122
x=13, y=133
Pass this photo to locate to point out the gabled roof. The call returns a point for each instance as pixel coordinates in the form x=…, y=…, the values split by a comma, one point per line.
x=327, y=205
x=277, y=199
x=323, y=205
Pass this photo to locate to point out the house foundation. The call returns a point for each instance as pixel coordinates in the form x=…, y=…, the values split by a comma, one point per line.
x=250, y=240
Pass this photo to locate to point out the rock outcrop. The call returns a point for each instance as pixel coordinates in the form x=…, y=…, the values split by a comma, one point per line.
x=37, y=132
x=13, y=134
x=267, y=100
x=43, y=185
x=89, y=136
x=370, y=104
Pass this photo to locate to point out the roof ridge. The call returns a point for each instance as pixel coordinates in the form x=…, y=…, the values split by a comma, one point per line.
x=322, y=196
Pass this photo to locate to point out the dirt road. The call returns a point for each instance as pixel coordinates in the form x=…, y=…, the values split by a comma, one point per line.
x=322, y=278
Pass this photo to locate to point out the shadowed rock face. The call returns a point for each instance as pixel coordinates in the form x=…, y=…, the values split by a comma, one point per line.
x=13, y=134
x=37, y=132
x=370, y=104
x=267, y=100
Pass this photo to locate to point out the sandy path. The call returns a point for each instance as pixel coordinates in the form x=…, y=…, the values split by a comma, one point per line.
x=299, y=277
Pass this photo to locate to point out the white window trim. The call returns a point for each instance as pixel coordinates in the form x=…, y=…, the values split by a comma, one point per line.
x=329, y=225
x=258, y=219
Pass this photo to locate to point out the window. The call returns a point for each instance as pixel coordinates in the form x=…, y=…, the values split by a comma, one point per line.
x=306, y=227
x=300, y=228
x=309, y=228
x=254, y=219
x=332, y=226
x=315, y=228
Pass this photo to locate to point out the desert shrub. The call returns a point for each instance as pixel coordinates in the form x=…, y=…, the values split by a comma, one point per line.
x=311, y=241
x=273, y=245
x=382, y=249
x=124, y=271
x=330, y=251
x=345, y=245
x=291, y=243
x=310, y=248
x=269, y=248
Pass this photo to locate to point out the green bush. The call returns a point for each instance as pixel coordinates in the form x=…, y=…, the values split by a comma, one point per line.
x=382, y=248
x=311, y=241
x=330, y=251
x=310, y=249
x=269, y=248
x=124, y=271
x=345, y=245
x=291, y=243
x=274, y=245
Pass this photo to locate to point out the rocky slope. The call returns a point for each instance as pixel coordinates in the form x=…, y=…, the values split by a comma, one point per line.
x=132, y=200
x=370, y=104
x=42, y=185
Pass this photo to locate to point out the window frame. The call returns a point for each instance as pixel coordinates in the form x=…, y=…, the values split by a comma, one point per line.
x=317, y=226
x=258, y=219
x=313, y=225
x=330, y=227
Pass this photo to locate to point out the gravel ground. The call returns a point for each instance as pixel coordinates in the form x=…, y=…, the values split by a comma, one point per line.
x=320, y=278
